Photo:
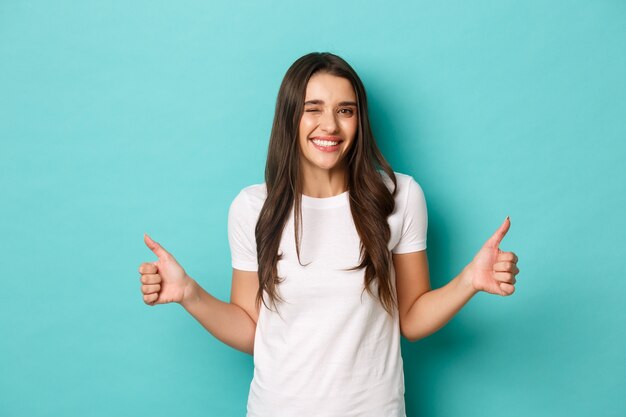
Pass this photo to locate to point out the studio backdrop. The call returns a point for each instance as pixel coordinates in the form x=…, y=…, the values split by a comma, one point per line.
x=119, y=118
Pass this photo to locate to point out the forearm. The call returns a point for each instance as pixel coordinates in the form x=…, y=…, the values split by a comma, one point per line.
x=228, y=322
x=433, y=309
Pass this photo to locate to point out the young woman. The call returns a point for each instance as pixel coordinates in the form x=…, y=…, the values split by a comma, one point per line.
x=329, y=260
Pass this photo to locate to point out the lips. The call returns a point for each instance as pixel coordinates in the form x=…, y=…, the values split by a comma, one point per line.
x=328, y=138
x=324, y=143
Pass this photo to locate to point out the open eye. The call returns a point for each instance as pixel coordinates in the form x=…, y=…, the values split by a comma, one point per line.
x=346, y=111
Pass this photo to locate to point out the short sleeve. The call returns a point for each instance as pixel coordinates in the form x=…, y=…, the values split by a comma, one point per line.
x=241, y=237
x=415, y=221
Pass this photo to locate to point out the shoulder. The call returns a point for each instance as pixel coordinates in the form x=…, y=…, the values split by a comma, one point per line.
x=404, y=180
x=254, y=192
x=408, y=184
x=410, y=197
x=405, y=183
x=250, y=199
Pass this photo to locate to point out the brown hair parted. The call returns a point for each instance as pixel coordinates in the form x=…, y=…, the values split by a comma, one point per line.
x=371, y=202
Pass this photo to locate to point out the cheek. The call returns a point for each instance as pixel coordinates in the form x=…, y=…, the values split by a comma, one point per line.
x=306, y=123
x=350, y=126
x=302, y=130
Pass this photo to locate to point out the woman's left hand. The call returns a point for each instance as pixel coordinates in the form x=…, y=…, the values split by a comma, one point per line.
x=493, y=270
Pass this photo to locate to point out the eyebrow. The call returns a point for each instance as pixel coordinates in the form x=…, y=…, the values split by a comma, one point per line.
x=343, y=103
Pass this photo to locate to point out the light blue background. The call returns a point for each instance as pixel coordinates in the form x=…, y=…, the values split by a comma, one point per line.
x=119, y=118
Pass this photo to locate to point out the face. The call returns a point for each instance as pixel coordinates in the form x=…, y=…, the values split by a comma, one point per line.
x=329, y=122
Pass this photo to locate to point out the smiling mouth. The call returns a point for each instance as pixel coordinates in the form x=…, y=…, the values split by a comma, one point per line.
x=326, y=141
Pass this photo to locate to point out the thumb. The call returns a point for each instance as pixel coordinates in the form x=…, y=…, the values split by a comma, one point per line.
x=155, y=247
x=496, y=238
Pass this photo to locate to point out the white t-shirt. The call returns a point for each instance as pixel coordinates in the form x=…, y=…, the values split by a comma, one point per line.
x=331, y=350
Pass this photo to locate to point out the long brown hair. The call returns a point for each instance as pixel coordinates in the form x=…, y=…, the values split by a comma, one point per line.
x=371, y=202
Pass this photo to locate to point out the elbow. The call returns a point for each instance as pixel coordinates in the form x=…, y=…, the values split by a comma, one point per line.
x=410, y=337
x=415, y=332
x=245, y=348
x=409, y=334
x=413, y=335
x=249, y=348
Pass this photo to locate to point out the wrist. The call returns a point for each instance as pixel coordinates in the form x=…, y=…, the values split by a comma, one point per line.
x=190, y=291
x=466, y=280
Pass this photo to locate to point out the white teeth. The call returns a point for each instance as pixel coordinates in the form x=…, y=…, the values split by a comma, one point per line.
x=324, y=142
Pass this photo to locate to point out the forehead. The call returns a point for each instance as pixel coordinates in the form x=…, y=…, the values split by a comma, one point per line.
x=329, y=88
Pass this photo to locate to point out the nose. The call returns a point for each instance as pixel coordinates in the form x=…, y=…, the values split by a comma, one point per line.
x=328, y=123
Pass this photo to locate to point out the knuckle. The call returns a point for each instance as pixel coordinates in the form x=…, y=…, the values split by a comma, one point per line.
x=150, y=279
x=507, y=290
x=506, y=278
x=151, y=289
x=147, y=268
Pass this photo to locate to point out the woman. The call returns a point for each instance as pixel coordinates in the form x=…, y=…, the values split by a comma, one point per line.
x=329, y=260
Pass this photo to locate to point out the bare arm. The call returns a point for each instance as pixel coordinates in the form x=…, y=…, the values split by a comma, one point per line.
x=233, y=323
x=423, y=311
x=228, y=322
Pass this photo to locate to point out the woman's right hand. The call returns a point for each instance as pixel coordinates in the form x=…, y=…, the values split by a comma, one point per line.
x=163, y=281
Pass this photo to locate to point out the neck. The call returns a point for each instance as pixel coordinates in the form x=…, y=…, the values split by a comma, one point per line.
x=324, y=183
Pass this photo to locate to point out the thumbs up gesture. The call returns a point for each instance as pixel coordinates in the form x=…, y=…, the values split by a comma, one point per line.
x=493, y=270
x=163, y=281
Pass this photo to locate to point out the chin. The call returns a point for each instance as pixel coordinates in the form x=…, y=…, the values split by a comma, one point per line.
x=328, y=166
